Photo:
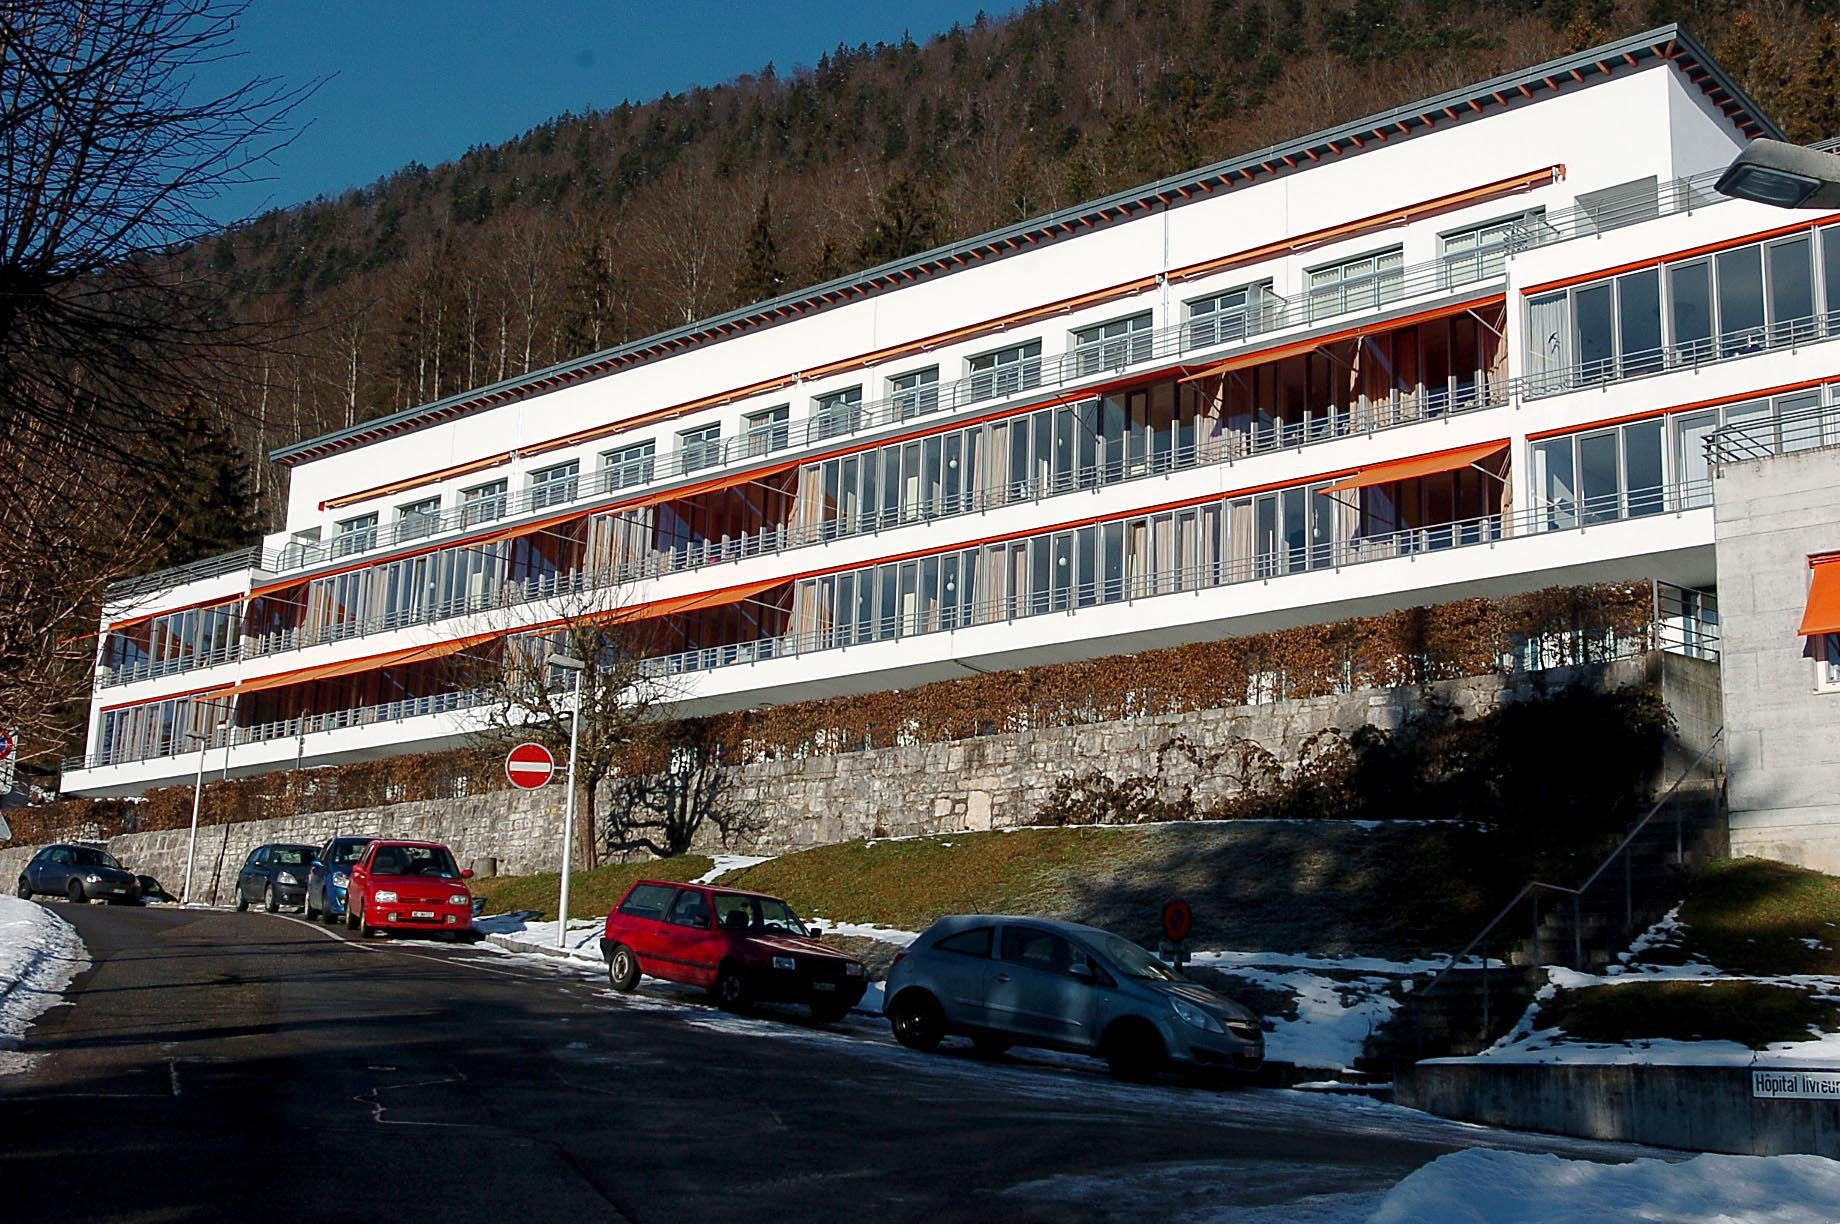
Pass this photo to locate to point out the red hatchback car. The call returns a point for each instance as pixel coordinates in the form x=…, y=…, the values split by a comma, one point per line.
x=741, y=946
x=408, y=886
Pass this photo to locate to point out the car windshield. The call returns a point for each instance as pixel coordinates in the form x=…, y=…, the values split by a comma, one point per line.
x=291, y=856
x=764, y=914
x=347, y=852
x=414, y=861
x=1131, y=960
x=83, y=856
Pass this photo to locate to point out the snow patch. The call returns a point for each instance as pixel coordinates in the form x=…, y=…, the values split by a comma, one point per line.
x=1500, y=1187
x=725, y=863
x=39, y=954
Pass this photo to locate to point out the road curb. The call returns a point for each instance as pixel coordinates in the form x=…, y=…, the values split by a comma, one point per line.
x=512, y=945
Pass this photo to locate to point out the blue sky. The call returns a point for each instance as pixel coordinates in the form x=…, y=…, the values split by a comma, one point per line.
x=423, y=80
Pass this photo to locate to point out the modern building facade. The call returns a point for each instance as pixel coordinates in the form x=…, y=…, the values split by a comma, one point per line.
x=1474, y=345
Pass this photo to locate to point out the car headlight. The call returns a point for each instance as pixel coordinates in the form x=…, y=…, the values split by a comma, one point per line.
x=459, y=899
x=386, y=896
x=92, y=878
x=286, y=877
x=785, y=962
x=340, y=879
x=852, y=969
x=1189, y=1014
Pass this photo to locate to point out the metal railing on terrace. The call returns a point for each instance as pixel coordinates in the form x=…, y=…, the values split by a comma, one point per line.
x=210, y=567
x=1800, y=429
x=1413, y=542
x=1688, y=355
x=1102, y=359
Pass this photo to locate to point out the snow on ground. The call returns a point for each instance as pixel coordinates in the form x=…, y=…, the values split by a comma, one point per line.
x=1496, y=1187
x=726, y=863
x=39, y=954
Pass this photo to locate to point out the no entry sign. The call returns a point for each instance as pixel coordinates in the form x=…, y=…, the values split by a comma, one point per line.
x=529, y=766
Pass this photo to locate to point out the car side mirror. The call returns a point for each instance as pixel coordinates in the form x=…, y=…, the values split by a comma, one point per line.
x=316, y=863
x=1083, y=973
x=815, y=932
x=466, y=873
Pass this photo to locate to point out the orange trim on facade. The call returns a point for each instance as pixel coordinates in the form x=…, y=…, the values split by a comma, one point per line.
x=1708, y=248
x=1715, y=402
x=1822, y=613
x=1377, y=221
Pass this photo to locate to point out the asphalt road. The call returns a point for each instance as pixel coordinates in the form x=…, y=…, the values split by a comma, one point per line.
x=219, y=1066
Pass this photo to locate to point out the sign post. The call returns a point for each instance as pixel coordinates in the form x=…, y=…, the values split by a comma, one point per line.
x=1178, y=920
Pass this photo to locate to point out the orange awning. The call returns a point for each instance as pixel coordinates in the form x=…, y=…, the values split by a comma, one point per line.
x=1418, y=465
x=1823, y=612
x=690, y=603
x=1298, y=348
x=326, y=671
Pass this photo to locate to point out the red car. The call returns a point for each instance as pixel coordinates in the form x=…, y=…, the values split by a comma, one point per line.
x=741, y=946
x=408, y=886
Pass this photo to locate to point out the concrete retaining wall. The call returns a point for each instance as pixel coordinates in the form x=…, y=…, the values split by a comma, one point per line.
x=1705, y=1109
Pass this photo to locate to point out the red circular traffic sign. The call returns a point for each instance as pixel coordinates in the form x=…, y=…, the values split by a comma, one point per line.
x=6, y=745
x=529, y=766
x=1177, y=921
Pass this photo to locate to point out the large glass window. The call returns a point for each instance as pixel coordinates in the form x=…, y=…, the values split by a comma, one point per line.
x=1791, y=284
x=1638, y=312
x=1229, y=316
x=1111, y=345
x=1357, y=284
x=1690, y=310
x=629, y=465
x=1741, y=311
x=1005, y=371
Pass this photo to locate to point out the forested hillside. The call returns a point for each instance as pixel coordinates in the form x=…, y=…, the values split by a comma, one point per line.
x=595, y=229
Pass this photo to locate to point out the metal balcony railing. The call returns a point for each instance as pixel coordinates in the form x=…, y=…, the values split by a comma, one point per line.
x=1416, y=542
x=1785, y=335
x=1801, y=429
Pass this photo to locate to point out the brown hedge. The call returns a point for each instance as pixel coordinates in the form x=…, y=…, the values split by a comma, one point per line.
x=1557, y=626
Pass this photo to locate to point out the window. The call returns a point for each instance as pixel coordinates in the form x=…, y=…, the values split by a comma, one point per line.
x=915, y=393
x=701, y=447
x=1600, y=477
x=1825, y=647
x=1481, y=251
x=302, y=547
x=1111, y=345
x=355, y=535
x=1233, y=315
x=418, y=519
x=1044, y=950
x=1357, y=284
x=1615, y=207
x=551, y=486
x=628, y=466
x=482, y=503
x=1005, y=371
x=975, y=942
x=840, y=412
x=767, y=430
x=647, y=901
x=691, y=909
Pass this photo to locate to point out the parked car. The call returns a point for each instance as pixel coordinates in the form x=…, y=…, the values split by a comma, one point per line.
x=331, y=875
x=275, y=875
x=743, y=947
x=408, y=886
x=79, y=874
x=1059, y=985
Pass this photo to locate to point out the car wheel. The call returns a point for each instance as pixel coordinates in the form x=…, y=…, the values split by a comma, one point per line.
x=75, y=893
x=270, y=901
x=623, y=969
x=306, y=907
x=828, y=1011
x=918, y=1022
x=25, y=888
x=242, y=902
x=351, y=914
x=989, y=1045
x=732, y=992
x=1133, y=1050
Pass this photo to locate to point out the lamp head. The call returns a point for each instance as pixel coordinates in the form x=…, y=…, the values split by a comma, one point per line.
x=1784, y=175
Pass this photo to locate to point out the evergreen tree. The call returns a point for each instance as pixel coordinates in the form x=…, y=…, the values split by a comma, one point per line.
x=760, y=275
x=208, y=507
x=589, y=297
x=907, y=224
x=829, y=264
x=1811, y=103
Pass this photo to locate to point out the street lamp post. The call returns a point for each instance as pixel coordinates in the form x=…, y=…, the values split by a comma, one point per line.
x=191, y=842
x=578, y=666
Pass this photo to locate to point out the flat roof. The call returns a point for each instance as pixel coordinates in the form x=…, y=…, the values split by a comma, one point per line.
x=1664, y=43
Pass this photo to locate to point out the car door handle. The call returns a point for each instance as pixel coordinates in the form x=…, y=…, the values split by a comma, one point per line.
x=1002, y=977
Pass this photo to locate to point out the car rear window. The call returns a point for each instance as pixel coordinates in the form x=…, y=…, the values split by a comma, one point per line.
x=647, y=901
x=975, y=942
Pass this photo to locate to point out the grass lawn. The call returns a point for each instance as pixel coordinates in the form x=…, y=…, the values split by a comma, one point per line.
x=1754, y=916
x=1751, y=1013
x=591, y=893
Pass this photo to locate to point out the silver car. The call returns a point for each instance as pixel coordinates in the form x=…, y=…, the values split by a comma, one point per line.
x=1036, y=982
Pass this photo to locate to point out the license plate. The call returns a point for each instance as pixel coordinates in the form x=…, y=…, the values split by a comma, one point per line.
x=824, y=985
x=421, y=913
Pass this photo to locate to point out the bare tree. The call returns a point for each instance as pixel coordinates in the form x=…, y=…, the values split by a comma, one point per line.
x=678, y=784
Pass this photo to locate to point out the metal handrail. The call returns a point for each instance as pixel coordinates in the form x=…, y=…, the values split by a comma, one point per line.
x=1812, y=428
x=1534, y=886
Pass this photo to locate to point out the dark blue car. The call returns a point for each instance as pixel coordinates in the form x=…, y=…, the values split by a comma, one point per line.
x=331, y=875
